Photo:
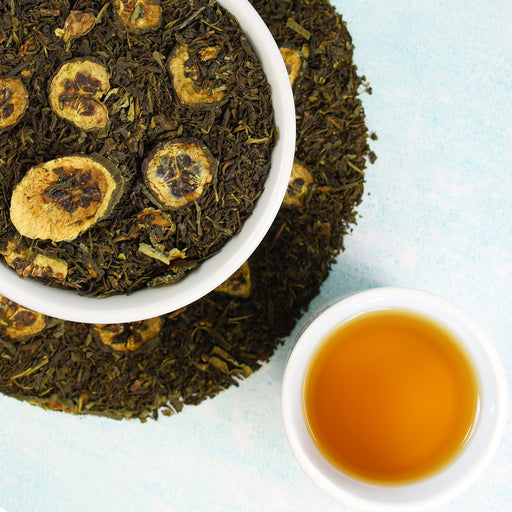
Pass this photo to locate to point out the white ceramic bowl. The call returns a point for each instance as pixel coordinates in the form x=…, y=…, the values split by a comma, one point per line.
x=150, y=302
x=445, y=484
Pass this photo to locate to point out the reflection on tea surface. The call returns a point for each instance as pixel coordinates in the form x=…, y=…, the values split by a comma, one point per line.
x=390, y=396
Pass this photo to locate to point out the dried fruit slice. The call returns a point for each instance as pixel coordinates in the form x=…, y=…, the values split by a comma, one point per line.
x=177, y=171
x=62, y=198
x=294, y=63
x=130, y=336
x=75, y=93
x=298, y=187
x=37, y=265
x=77, y=24
x=139, y=15
x=239, y=284
x=184, y=78
x=19, y=322
x=13, y=101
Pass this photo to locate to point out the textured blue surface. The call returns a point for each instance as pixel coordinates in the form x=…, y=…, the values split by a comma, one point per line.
x=436, y=215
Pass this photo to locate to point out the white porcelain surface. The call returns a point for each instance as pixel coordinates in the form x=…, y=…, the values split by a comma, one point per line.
x=151, y=302
x=444, y=485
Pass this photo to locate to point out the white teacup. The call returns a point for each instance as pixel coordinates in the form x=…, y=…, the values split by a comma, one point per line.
x=450, y=480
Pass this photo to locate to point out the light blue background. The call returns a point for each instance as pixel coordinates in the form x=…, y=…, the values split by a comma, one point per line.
x=436, y=215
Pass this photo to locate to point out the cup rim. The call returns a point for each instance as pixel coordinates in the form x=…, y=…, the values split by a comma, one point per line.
x=449, y=481
x=151, y=302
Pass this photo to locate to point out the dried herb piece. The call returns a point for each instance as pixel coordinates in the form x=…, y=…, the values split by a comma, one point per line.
x=18, y=322
x=139, y=15
x=77, y=24
x=177, y=171
x=75, y=93
x=13, y=102
x=184, y=74
x=225, y=363
x=161, y=254
x=128, y=337
x=62, y=198
x=157, y=222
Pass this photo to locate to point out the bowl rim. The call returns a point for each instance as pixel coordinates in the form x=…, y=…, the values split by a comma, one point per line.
x=151, y=302
x=443, y=485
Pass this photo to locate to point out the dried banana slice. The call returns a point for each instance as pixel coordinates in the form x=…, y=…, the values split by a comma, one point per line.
x=128, y=337
x=62, y=198
x=13, y=102
x=177, y=171
x=294, y=63
x=139, y=15
x=75, y=93
x=19, y=322
x=239, y=284
x=35, y=265
x=184, y=78
x=298, y=187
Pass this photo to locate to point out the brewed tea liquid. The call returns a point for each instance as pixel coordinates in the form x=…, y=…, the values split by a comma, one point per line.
x=390, y=397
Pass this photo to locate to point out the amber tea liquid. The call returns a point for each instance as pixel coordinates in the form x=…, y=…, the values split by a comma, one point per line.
x=390, y=397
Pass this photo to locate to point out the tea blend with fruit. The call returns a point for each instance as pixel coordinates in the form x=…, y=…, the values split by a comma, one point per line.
x=143, y=369
x=135, y=139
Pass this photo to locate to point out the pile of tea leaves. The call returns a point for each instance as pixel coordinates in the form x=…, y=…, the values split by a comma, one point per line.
x=142, y=369
x=166, y=99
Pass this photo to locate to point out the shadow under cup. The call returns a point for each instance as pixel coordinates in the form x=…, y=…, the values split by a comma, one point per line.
x=436, y=487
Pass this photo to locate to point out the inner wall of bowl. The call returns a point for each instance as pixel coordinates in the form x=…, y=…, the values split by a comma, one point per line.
x=448, y=482
x=147, y=303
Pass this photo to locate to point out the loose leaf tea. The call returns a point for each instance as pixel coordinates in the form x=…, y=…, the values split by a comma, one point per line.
x=138, y=371
x=121, y=83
